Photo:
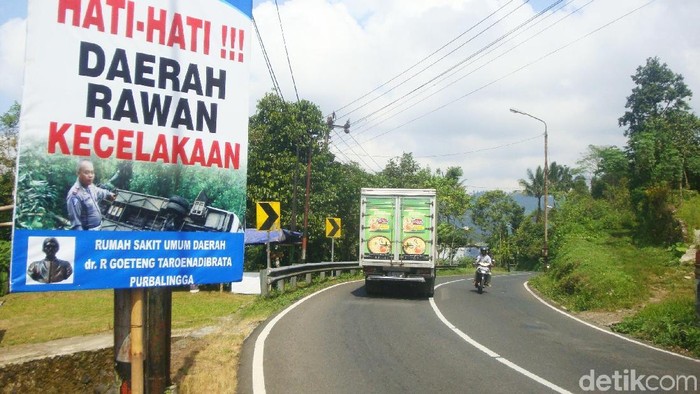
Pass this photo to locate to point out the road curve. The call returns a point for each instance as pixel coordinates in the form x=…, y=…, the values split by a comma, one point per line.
x=505, y=340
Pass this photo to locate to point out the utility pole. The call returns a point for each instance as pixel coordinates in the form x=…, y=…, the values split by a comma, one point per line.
x=294, y=203
x=304, y=239
x=331, y=126
x=545, y=249
x=329, y=123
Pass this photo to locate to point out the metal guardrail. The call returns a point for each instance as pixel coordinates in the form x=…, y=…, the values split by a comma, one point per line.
x=449, y=266
x=279, y=276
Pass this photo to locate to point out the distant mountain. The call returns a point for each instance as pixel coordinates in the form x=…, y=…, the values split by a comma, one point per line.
x=527, y=202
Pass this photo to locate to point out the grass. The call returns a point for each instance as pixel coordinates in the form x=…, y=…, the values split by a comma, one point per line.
x=41, y=317
x=670, y=323
x=27, y=318
x=606, y=273
x=689, y=212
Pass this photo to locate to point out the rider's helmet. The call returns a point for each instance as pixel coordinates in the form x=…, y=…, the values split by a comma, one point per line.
x=484, y=251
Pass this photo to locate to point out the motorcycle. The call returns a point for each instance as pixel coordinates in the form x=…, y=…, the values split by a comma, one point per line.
x=482, y=276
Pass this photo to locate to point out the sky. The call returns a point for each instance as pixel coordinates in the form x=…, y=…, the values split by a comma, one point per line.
x=437, y=78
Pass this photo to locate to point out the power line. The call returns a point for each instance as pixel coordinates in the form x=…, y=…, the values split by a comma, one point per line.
x=421, y=61
x=482, y=54
x=354, y=153
x=286, y=51
x=513, y=72
x=474, y=54
x=275, y=84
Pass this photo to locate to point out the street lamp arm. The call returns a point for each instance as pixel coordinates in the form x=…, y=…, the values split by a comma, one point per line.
x=515, y=111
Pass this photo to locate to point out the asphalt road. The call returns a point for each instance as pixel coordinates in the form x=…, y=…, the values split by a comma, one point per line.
x=505, y=340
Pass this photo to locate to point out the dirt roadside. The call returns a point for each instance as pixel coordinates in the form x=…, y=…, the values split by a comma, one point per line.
x=86, y=363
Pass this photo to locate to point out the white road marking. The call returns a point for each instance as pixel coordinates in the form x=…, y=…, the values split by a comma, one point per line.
x=259, y=350
x=490, y=352
x=604, y=330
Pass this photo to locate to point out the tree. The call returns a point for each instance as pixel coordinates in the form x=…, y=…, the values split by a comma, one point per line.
x=561, y=178
x=8, y=154
x=659, y=93
x=662, y=148
x=281, y=137
x=404, y=172
x=534, y=186
x=9, y=128
x=452, y=204
x=663, y=136
x=498, y=215
x=608, y=168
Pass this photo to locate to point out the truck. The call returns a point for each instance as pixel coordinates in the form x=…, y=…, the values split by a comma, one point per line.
x=398, y=238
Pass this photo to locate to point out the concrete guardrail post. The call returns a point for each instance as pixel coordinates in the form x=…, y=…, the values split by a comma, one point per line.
x=280, y=285
x=264, y=288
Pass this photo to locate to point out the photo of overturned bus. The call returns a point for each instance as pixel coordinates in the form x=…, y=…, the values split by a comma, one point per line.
x=132, y=211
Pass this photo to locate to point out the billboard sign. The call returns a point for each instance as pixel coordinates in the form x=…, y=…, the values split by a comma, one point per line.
x=133, y=144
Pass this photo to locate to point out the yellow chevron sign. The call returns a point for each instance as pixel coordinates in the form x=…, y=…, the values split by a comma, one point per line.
x=333, y=228
x=267, y=215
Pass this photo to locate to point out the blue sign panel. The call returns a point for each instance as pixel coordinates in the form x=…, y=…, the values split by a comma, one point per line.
x=85, y=260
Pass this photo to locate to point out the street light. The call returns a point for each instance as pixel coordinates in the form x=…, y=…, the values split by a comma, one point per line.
x=545, y=251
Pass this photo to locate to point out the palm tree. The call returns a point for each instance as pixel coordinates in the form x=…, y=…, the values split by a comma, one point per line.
x=561, y=178
x=534, y=187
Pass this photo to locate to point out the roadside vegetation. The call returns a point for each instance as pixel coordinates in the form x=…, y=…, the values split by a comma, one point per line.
x=618, y=247
x=604, y=268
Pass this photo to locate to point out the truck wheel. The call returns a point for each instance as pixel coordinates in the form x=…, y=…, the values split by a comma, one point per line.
x=370, y=287
x=429, y=287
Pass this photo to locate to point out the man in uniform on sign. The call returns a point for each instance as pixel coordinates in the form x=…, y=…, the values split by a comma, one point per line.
x=83, y=199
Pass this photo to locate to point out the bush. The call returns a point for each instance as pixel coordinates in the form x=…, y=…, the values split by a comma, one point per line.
x=5, y=251
x=669, y=323
x=689, y=212
x=657, y=224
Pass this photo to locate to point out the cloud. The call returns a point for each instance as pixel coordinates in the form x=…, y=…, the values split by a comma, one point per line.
x=12, y=37
x=571, y=69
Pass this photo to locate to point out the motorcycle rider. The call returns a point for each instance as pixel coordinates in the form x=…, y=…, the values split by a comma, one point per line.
x=483, y=259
